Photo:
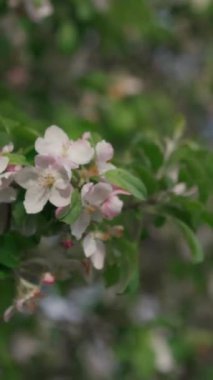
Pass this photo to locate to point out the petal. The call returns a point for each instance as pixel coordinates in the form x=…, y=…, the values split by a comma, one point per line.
x=26, y=177
x=89, y=245
x=112, y=207
x=7, y=195
x=80, y=225
x=35, y=199
x=44, y=162
x=119, y=190
x=95, y=249
x=52, y=142
x=4, y=161
x=104, y=151
x=99, y=256
x=62, y=178
x=60, y=197
x=81, y=152
x=98, y=193
x=85, y=189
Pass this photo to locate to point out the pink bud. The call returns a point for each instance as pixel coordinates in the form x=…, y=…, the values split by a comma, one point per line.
x=67, y=244
x=48, y=279
x=13, y=168
x=59, y=211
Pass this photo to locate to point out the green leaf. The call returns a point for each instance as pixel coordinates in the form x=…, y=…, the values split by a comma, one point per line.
x=154, y=153
x=71, y=214
x=125, y=271
x=192, y=241
x=8, y=252
x=127, y=181
x=4, y=138
x=17, y=159
x=3, y=275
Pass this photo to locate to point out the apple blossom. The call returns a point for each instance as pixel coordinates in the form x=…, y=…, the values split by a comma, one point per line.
x=100, y=201
x=47, y=181
x=68, y=153
x=95, y=250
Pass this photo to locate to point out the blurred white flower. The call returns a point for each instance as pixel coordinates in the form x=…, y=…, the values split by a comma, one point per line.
x=38, y=10
x=164, y=359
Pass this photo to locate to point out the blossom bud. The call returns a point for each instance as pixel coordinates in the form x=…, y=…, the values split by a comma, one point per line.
x=48, y=279
x=67, y=243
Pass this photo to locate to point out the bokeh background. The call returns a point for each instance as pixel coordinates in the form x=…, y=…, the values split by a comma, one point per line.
x=119, y=68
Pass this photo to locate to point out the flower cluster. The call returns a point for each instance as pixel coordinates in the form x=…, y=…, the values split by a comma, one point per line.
x=63, y=166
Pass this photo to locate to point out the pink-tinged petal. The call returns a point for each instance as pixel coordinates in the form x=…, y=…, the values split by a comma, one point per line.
x=60, y=211
x=7, y=195
x=80, y=225
x=85, y=189
x=119, y=190
x=62, y=178
x=26, y=177
x=104, y=151
x=14, y=168
x=99, y=257
x=98, y=193
x=112, y=207
x=52, y=142
x=81, y=152
x=60, y=198
x=4, y=161
x=35, y=199
x=43, y=162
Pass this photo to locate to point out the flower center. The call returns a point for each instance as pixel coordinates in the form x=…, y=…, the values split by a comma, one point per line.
x=47, y=180
x=91, y=209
